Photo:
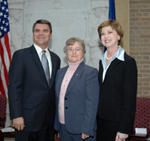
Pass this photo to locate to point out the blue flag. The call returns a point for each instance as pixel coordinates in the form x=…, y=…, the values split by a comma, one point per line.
x=112, y=13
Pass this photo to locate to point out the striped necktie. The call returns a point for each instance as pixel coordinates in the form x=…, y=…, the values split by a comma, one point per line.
x=45, y=66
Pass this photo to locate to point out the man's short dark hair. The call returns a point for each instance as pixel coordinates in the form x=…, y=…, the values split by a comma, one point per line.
x=42, y=21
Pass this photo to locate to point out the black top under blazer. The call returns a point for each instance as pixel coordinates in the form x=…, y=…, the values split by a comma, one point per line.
x=117, y=100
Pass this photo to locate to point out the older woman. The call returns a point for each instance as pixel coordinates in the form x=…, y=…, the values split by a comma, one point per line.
x=77, y=93
x=118, y=82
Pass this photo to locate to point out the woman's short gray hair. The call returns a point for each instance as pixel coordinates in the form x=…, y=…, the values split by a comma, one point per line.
x=72, y=41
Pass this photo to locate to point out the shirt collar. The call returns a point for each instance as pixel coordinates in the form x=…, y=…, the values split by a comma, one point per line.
x=119, y=54
x=39, y=50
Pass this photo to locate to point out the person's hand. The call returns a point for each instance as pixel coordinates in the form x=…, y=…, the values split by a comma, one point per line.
x=18, y=123
x=84, y=136
x=121, y=137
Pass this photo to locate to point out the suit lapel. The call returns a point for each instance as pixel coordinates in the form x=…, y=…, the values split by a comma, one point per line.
x=37, y=62
x=100, y=71
x=60, y=77
x=76, y=76
x=113, y=64
x=53, y=60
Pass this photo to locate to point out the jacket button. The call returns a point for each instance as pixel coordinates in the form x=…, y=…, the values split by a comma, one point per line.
x=66, y=98
x=66, y=107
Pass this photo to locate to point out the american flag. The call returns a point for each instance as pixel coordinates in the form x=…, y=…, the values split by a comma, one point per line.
x=5, y=53
x=112, y=13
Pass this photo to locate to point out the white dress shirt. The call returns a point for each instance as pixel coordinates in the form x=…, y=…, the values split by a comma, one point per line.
x=48, y=56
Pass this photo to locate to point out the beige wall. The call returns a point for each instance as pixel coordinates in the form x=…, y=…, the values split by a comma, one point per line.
x=122, y=16
x=134, y=16
x=140, y=42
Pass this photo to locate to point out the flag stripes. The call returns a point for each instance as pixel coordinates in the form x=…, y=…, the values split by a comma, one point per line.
x=5, y=53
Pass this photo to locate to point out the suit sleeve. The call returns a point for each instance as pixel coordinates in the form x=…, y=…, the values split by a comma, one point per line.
x=91, y=102
x=15, y=86
x=129, y=96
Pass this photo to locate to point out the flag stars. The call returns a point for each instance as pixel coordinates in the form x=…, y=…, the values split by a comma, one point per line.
x=4, y=21
x=2, y=28
x=3, y=8
x=1, y=14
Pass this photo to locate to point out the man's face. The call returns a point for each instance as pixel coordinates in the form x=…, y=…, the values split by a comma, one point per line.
x=41, y=35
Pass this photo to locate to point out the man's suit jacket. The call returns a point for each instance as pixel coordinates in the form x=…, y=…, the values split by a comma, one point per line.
x=118, y=92
x=81, y=100
x=30, y=96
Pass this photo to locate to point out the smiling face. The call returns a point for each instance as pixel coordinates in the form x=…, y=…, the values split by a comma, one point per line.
x=74, y=53
x=109, y=37
x=41, y=35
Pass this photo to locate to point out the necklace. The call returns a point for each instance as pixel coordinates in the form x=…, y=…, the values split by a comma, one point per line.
x=64, y=87
x=107, y=57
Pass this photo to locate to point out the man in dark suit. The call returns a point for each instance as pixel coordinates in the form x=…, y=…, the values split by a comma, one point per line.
x=31, y=90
